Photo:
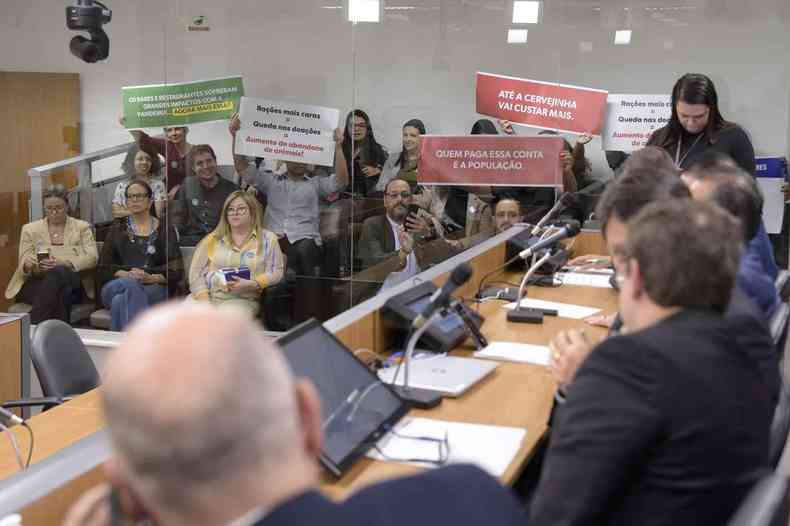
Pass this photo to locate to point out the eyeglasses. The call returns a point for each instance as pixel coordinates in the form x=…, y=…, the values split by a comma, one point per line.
x=402, y=195
x=241, y=211
x=136, y=197
x=58, y=208
x=442, y=444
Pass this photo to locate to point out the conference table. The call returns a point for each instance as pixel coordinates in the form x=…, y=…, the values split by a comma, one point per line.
x=515, y=395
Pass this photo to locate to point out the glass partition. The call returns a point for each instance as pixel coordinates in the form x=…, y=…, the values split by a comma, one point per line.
x=368, y=213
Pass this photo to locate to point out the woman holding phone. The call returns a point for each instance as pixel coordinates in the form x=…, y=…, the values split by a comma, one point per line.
x=52, y=253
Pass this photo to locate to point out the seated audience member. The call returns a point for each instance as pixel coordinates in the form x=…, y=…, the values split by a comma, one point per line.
x=738, y=193
x=364, y=157
x=669, y=423
x=201, y=197
x=140, y=164
x=404, y=165
x=705, y=174
x=507, y=213
x=292, y=210
x=140, y=262
x=174, y=148
x=256, y=464
x=393, y=234
x=52, y=253
x=238, y=241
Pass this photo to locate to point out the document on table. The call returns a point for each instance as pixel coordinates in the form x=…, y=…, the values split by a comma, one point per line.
x=515, y=352
x=583, y=279
x=564, y=310
x=491, y=448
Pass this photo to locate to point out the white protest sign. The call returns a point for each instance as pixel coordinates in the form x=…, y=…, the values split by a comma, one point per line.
x=287, y=131
x=631, y=119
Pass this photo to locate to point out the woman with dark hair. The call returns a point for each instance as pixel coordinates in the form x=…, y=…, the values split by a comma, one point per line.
x=364, y=156
x=140, y=163
x=405, y=165
x=697, y=126
x=484, y=127
x=52, y=252
x=140, y=261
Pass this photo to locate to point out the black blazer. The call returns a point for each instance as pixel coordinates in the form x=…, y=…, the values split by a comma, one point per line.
x=456, y=495
x=733, y=141
x=665, y=426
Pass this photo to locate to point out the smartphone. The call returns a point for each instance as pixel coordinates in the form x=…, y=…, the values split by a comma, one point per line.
x=413, y=210
x=41, y=255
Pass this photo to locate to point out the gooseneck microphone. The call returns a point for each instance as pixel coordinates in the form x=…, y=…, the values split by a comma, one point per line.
x=570, y=229
x=441, y=298
x=565, y=200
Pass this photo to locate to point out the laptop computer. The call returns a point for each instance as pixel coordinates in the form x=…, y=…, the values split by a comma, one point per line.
x=449, y=375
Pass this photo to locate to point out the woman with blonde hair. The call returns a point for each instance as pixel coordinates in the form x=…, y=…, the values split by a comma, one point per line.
x=239, y=242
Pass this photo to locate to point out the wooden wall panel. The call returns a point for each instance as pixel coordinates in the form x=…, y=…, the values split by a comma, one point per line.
x=40, y=116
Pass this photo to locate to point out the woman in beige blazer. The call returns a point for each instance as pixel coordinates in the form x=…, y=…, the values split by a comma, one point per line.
x=52, y=252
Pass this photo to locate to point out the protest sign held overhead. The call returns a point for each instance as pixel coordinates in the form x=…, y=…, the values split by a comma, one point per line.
x=482, y=160
x=287, y=131
x=631, y=119
x=159, y=105
x=539, y=104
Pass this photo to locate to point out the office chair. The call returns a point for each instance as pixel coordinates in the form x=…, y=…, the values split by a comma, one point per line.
x=777, y=325
x=62, y=364
x=780, y=425
x=783, y=284
x=765, y=505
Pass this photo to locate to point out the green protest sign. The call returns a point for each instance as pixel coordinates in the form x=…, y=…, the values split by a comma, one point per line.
x=179, y=104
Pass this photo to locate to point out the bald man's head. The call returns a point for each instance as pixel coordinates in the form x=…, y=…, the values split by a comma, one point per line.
x=194, y=397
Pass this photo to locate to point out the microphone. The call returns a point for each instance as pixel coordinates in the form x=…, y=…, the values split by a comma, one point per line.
x=8, y=419
x=565, y=200
x=441, y=298
x=570, y=229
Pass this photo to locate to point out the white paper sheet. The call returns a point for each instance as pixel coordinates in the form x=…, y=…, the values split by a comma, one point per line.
x=565, y=310
x=515, y=352
x=492, y=448
x=583, y=279
x=774, y=203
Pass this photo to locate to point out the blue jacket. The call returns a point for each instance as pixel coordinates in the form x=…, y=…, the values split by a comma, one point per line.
x=757, y=274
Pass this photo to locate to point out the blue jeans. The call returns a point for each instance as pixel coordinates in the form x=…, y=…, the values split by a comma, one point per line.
x=127, y=297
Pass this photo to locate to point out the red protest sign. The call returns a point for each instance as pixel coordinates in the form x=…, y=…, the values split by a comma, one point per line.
x=495, y=160
x=540, y=104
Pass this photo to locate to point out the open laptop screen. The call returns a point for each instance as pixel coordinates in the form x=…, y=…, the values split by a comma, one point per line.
x=357, y=408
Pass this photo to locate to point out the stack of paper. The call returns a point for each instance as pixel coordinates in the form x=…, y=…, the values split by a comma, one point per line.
x=491, y=448
x=515, y=352
x=565, y=310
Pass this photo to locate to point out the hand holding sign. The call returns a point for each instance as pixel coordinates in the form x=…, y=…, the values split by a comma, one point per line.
x=286, y=131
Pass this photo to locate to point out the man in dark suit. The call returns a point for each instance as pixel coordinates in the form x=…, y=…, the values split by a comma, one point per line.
x=234, y=441
x=389, y=240
x=669, y=422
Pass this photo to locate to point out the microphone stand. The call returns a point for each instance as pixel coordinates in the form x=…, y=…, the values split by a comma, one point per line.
x=471, y=326
x=545, y=218
x=519, y=315
x=420, y=398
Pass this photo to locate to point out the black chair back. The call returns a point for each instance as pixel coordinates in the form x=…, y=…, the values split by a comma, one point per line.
x=62, y=363
x=765, y=505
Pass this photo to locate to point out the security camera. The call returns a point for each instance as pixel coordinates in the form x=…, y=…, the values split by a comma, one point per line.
x=89, y=15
